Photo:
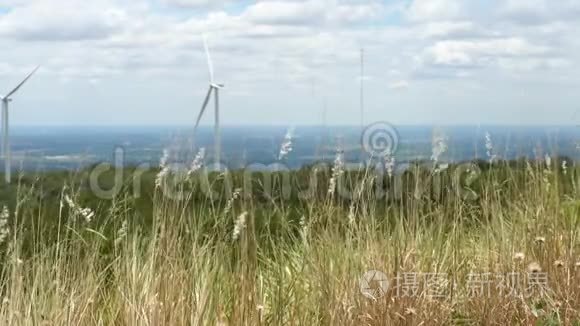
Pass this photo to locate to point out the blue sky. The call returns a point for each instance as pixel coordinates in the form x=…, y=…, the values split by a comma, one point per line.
x=141, y=62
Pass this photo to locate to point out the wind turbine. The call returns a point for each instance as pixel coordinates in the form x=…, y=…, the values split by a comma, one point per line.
x=213, y=88
x=6, y=99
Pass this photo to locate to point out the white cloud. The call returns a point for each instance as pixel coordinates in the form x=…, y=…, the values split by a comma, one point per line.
x=313, y=12
x=197, y=3
x=531, y=64
x=286, y=13
x=450, y=29
x=535, y=12
x=526, y=11
x=274, y=50
x=480, y=52
x=357, y=13
x=63, y=20
x=433, y=10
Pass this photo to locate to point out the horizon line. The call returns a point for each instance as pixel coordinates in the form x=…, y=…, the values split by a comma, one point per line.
x=500, y=124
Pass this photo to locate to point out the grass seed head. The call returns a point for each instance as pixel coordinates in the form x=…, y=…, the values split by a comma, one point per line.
x=286, y=147
x=439, y=146
x=87, y=213
x=489, y=147
x=230, y=203
x=240, y=226
x=565, y=167
x=534, y=268
x=4, y=229
x=351, y=216
x=548, y=160
x=337, y=171
x=164, y=169
x=197, y=162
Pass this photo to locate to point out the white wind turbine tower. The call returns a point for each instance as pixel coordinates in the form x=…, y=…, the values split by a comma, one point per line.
x=213, y=88
x=6, y=99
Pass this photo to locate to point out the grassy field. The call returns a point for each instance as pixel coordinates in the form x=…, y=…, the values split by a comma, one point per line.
x=469, y=244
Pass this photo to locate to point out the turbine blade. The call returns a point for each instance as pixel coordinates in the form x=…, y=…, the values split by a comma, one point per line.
x=209, y=61
x=22, y=83
x=203, y=107
x=3, y=123
x=6, y=140
x=8, y=161
x=217, y=129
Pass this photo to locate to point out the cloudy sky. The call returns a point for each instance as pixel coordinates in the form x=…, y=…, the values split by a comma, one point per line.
x=141, y=62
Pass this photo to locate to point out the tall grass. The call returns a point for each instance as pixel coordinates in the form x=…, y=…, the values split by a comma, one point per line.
x=262, y=259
